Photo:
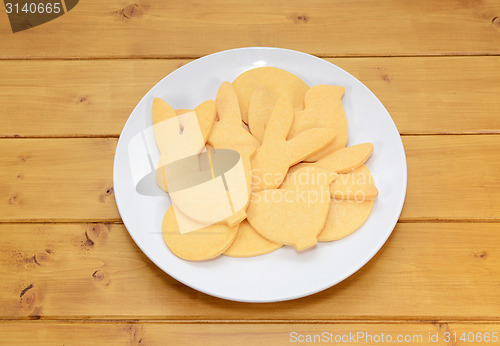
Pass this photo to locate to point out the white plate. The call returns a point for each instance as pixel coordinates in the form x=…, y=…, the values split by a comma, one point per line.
x=283, y=274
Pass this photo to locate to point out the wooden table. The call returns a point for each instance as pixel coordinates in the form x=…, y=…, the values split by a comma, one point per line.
x=70, y=272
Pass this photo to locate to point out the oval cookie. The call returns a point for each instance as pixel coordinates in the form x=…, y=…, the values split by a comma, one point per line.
x=275, y=80
x=199, y=245
x=249, y=243
x=344, y=217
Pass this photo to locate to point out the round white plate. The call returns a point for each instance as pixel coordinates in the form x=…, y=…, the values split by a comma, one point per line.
x=284, y=274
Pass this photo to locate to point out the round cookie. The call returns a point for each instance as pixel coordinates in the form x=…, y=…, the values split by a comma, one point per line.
x=344, y=217
x=199, y=245
x=275, y=80
x=249, y=243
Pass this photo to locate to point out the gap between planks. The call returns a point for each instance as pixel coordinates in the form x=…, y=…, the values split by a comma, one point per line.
x=173, y=57
x=112, y=136
x=291, y=321
x=120, y=222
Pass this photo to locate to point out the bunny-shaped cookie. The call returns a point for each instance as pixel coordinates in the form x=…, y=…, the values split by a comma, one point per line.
x=191, y=131
x=322, y=108
x=276, y=154
x=260, y=108
x=228, y=131
x=177, y=136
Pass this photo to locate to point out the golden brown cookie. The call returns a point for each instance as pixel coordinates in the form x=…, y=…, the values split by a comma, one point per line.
x=344, y=217
x=347, y=159
x=192, y=139
x=357, y=185
x=228, y=132
x=249, y=243
x=199, y=245
x=276, y=154
x=261, y=106
x=322, y=108
x=277, y=81
x=295, y=213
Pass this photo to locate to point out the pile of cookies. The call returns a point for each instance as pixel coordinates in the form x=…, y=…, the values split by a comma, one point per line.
x=304, y=185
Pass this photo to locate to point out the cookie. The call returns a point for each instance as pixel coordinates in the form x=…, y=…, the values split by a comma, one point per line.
x=357, y=185
x=202, y=244
x=211, y=189
x=322, y=108
x=347, y=159
x=205, y=112
x=173, y=131
x=228, y=131
x=249, y=243
x=260, y=108
x=295, y=214
x=276, y=154
x=344, y=217
x=275, y=80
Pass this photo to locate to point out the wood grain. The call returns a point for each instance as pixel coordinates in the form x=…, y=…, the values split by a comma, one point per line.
x=144, y=333
x=71, y=273
x=95, y=98
x=57, y=179
x=71, y=179
x=155, y=28
x=452, y=177
x=433, y=271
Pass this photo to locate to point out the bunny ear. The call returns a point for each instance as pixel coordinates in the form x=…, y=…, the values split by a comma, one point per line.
x=259, y=110
x=228, y=107
x=205, y=112
x=309, y=142
x=280, y=121
x=162, y=111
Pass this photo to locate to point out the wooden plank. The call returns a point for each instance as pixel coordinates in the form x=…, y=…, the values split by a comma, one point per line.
x=157, y=28
x=71, y=179
x=95, y=98
x=423, y=95
x=426, y=271
x=434, y=95
x=74, y=98
x=452, y=177
x=144, y=333
x=63, y=179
